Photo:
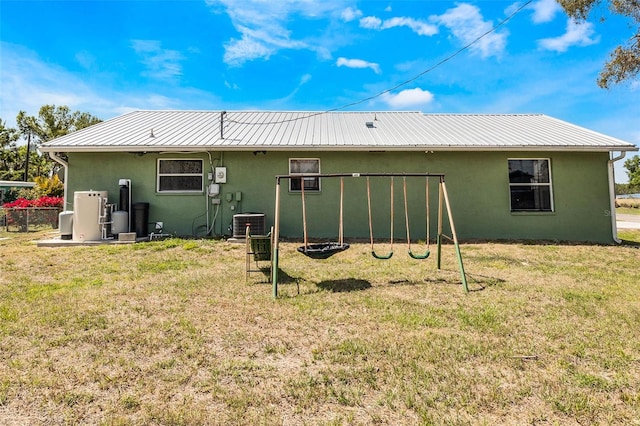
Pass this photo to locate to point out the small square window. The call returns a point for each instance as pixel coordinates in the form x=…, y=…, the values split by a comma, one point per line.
x=180, y=175
x=306, y=167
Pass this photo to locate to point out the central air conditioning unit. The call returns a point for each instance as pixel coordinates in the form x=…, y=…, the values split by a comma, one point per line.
x=254, y=220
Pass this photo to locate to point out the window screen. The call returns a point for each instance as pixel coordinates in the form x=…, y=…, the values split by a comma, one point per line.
x=180, y=175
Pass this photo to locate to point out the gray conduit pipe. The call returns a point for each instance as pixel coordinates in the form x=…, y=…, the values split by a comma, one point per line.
x=612, y=196
x=54, y=156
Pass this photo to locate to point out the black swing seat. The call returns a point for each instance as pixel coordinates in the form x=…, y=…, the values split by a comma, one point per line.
x=323, y=250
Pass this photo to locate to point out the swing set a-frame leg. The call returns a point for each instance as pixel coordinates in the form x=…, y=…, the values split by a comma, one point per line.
x=275, y=250
x=442, y=193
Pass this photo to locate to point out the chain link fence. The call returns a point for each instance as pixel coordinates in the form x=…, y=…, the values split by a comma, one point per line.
x=29, y=219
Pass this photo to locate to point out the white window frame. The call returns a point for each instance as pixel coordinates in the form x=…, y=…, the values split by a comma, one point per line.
x=315, y=181
x=532, y=184
x=179, y=191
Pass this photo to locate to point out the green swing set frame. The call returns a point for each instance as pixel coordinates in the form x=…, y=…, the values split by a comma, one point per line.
x=443, y=202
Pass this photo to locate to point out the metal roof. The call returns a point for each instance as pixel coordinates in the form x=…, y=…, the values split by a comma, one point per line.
x=11, y=183
x=350, y=131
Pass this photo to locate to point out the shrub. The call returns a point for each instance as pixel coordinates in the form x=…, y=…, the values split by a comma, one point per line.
x=25, y=213
x=45, y=187
x=632, y=203
x=22, y=203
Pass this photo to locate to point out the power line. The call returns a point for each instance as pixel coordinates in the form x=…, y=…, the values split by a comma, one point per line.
x=404, y=83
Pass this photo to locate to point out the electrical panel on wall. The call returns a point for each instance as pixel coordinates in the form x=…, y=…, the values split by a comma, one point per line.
x=214, y=189
x=221, y=175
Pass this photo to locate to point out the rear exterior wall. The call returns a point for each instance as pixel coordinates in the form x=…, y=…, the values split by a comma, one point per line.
x=477, y=183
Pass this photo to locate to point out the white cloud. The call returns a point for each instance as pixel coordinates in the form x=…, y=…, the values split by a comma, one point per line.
x=28, y=82
x=577, y=34
x=162, y=64
x=286, y=100
x=232, y=86
x=85, y=59
x=262, y=26
x=388, y=9
x=324, y=54
x=467, y=24
x=371, y=23
x=417, y=26
x=544, y=10
x=305, y=79
x=358, y=63
x=350, y=14
x=237, y=52
x=410, y=98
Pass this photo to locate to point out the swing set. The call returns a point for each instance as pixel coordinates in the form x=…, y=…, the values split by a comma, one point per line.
x=326, y=250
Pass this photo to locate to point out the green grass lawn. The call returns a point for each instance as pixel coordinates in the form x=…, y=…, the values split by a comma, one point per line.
x=168, y=333
x=627, y=210
x=629, y=236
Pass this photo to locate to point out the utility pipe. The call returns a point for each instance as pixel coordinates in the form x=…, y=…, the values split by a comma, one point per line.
x=612, y=196
x=54, y=156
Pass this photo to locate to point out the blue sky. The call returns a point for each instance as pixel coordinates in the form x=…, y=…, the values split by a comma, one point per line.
x=111, y=57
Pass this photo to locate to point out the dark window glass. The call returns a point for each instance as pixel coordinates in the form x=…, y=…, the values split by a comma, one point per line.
x=180, y=175
x=530, y=185
x=180, y=166
x=529, y=171
x=180, y=183
x=530, y=198
x=304, y=166
x=310, y=184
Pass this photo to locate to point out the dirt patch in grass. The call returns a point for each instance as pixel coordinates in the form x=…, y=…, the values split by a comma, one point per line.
x=168, y=333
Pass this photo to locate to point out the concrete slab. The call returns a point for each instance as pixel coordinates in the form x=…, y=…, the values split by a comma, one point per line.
x=627, y=225
x=628, y=221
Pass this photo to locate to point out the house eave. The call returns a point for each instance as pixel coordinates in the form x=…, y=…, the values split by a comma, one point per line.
x=344, y=148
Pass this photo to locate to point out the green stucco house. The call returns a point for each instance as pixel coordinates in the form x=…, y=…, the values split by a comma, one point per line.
x=7, y=186
x=508, y=176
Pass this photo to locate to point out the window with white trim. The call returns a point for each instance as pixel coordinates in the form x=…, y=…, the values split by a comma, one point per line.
x=530, y=188
x=304, y=166
x=180, y=175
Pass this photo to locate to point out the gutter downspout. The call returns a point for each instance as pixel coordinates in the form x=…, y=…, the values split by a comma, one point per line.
x=612, y=196
x=54, y=157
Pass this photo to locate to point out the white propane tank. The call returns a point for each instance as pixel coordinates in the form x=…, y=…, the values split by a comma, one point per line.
x=88, y=208
x=65, y=225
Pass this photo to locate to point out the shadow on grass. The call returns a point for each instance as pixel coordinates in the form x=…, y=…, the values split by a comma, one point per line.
x=283, y=277
x=475, y=282
x=344, y=285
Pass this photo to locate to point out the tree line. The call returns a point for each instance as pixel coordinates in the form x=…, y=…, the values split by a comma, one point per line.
x=624, y=61
x=23, y=162
x=633, y=173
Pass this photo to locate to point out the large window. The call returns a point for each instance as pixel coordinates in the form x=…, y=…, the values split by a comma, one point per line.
x=530, y=185
x=304, y=166
x=180, y=175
